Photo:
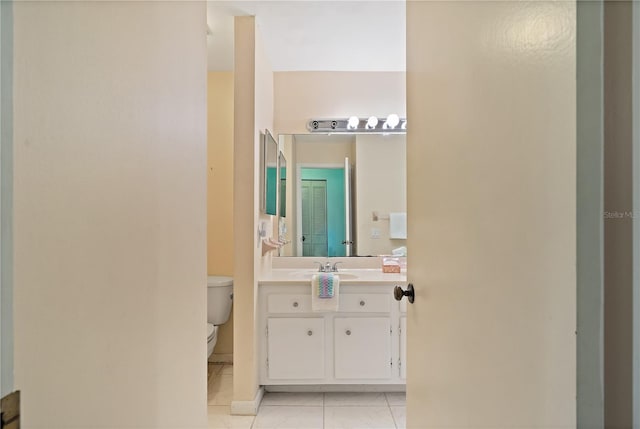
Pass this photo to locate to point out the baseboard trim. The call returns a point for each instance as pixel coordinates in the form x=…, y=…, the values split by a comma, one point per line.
x=247, y=408
x=221, y=358
x=337, y=388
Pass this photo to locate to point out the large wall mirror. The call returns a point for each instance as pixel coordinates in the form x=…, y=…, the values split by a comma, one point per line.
x=269, y=174
x=345, y=194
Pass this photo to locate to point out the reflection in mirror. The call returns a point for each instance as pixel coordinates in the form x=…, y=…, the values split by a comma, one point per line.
x=344, y=189
x=282, y=162
x=270, y=173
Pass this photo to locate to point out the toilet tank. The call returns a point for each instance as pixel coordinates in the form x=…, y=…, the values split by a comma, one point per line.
x=219, y=299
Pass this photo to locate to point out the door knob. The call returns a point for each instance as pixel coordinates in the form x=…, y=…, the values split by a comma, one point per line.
x=398, y=293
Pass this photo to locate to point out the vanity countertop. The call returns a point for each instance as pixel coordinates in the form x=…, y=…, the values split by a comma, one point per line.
x=348, y=277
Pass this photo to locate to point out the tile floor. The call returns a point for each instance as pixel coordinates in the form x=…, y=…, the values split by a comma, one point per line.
x=304, y=410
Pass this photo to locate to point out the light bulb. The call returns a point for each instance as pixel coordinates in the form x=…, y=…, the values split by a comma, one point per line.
x=372, y=122
x=392, y=121
x=404, y=125
x=353, y=122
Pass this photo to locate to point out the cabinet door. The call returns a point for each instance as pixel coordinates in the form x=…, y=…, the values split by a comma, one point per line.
x=403, y=348
x=295, y=348
x=362, y=348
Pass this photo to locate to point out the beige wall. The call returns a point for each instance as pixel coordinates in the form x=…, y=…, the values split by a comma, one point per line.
x=110, y=214
x=300, y=96
x=323, y=152
x=220, y=188
x=288, y=150
x=381, y=180
x=253, y=111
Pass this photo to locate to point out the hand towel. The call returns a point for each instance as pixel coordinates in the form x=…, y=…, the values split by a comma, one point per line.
x=324, y=285
x=325, y=292
x=398, y=225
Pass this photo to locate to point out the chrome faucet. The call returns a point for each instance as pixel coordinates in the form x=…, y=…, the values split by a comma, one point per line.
x=323, y=268
x=327, y=267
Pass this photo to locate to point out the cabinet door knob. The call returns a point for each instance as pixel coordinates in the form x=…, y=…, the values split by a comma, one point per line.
x=295, y=304
x=309, y=332
x=362, y=303
x=348, y=332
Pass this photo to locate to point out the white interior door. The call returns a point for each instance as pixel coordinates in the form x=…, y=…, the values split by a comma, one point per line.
x=491, y=205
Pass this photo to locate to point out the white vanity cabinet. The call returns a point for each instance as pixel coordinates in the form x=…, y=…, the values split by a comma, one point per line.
x=359, y=344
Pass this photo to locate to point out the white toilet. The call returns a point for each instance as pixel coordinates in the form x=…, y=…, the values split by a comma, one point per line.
x=219, y=299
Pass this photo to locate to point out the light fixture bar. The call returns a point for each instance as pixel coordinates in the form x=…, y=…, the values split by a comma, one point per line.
x=389, y=125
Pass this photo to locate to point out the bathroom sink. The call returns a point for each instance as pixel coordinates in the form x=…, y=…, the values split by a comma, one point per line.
x=309, y=274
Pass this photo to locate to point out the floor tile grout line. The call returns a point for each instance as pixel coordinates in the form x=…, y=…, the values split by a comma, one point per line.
x=323, y=410
x=393, y=418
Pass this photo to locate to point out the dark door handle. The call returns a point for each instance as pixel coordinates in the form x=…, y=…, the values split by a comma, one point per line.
x=398, y=293
x=304, y=238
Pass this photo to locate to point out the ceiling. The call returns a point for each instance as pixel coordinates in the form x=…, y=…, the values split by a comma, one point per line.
x=321, y=35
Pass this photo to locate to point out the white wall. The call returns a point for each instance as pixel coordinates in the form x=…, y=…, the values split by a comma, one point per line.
x=110, y=214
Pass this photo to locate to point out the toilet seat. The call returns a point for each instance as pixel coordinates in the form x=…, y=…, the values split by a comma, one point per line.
x=219, y=281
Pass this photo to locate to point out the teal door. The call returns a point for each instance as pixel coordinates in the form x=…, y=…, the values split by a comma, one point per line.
x=333, y=207
x=314, y=218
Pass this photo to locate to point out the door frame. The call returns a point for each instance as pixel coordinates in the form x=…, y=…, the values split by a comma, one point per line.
x=312, y=185
x=636, y=211
x=6, y=197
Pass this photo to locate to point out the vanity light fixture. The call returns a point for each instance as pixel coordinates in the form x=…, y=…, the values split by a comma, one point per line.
x=392, y=121
x=392, y=124
x=352, y=123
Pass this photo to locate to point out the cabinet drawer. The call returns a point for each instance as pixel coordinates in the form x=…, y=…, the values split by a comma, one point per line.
x=365, y=303
x=299, y=303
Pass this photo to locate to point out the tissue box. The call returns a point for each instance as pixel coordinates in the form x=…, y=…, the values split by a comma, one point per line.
x=390, y=265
